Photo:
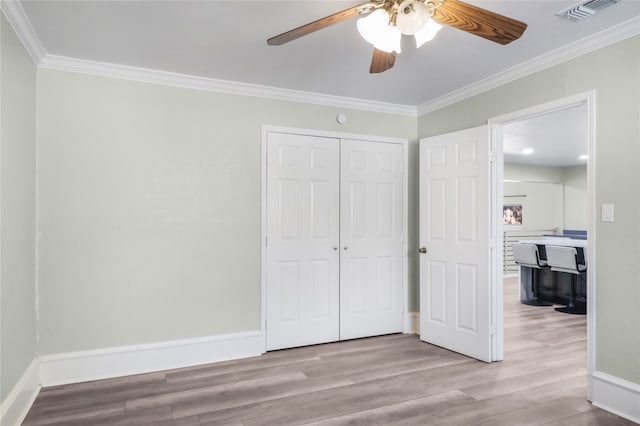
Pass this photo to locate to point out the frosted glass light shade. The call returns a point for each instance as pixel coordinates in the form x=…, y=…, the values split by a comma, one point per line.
x=412, y=16
x=376, y=30
x=372, y=26
x=427, y=33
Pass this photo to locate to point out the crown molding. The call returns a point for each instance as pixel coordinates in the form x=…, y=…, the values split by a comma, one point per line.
x=596, y=41
x=103, y=69
x=16, y=16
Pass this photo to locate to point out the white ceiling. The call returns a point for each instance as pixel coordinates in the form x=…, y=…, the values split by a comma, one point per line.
x=556, y=139
x=227, y=40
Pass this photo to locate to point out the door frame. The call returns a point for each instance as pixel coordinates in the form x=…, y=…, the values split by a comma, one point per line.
x=496, y=124
x=266, y=129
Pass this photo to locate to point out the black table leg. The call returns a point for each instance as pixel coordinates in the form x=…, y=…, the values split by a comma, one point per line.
x=535, y=301
x=571, y=308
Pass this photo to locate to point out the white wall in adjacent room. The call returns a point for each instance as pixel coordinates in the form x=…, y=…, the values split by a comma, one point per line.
x=575, y=197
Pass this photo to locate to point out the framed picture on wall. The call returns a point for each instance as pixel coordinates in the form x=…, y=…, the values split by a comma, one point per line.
x=512, y=216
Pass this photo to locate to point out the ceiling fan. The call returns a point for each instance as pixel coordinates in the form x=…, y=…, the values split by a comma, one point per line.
x=383, y=22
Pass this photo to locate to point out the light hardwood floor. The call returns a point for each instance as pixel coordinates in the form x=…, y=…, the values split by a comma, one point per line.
x=393, y=379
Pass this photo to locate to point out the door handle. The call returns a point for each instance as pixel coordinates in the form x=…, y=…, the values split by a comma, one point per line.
x=422, y=250
x=346, y=247
x=335, y=248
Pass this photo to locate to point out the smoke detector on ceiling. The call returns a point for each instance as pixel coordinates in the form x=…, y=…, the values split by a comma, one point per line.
x=585, y=9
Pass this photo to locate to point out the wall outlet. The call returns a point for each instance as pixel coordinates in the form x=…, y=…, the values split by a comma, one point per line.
x=607, y=213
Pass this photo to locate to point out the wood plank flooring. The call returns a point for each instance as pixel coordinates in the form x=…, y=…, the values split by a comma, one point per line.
x=393, y=379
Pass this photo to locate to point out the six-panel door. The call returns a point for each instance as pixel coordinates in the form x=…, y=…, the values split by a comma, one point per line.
x=454, y=228
x=371, y=239
x=303, y=236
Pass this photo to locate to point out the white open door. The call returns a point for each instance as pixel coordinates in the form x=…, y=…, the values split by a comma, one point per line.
x=303, y=235
x=455, y=303
x=371, y=227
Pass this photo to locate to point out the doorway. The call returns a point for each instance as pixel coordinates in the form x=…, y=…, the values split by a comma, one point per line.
x=507, y=126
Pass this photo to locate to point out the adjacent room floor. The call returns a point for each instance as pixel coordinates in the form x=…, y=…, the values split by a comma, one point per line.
x=390, y=379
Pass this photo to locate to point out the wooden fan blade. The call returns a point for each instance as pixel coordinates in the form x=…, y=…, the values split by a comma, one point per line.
x=480, y=22
x=322, y=23
x=381, y=61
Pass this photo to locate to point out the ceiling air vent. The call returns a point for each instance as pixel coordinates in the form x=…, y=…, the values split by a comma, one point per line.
x=585, y=9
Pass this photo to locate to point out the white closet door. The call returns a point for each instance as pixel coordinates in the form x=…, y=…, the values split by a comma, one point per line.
x=302, y=240
x=371, y=239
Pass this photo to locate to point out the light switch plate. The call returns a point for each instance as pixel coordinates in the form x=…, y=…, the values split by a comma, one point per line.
x=607, y=213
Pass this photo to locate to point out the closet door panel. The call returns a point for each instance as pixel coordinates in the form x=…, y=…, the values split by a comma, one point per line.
x=371, y=239
x=302, y=240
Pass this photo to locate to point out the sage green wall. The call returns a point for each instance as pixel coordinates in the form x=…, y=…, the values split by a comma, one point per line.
x=614, y=72
x=17, y=212
x=150, y=207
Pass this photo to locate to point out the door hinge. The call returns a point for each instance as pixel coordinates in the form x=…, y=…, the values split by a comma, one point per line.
x=266, y=239
x=492, y=243
x=493, y=157
x=493, y=330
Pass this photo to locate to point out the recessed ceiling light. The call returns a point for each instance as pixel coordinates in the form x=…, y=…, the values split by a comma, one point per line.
x=584, y=157
x=527, y=151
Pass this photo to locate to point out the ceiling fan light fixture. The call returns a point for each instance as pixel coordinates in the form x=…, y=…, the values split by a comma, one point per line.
x=427, y=33
x=383, y=22
x=376, y=29
x=412, y=16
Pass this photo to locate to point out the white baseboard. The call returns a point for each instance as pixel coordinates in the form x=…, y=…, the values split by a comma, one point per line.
x=106, y=363
x=616, y=395
x=17, y=404
x=411, y=323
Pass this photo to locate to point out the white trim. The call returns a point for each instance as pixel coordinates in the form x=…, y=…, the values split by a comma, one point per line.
x=24, y=30
x=496, y=190
x=263, y=208
x=495, y=124
x=327, y=134
x=411, y=323
x=589, y=44
x=103, y=69
x=616, y=395
x=263, y=234
x=405, y=232
x=589, y=99
x=17, y=404
x=106, y=363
